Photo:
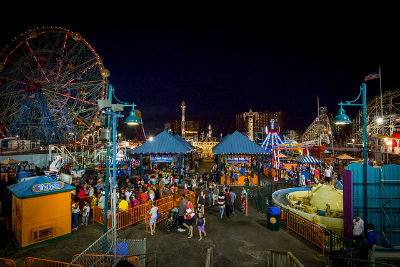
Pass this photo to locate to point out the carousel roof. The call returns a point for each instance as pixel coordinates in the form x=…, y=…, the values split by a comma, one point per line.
x=237, y=143
x=163, y=143
x=344, y=156
x=9, y=161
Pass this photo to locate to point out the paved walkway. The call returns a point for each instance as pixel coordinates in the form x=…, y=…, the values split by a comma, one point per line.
x=241, y=241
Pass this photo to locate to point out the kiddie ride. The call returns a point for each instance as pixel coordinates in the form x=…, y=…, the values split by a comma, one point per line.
x=54, y=172
x=322, y=204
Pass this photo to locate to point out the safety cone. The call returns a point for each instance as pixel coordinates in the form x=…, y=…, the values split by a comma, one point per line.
x=7, y=225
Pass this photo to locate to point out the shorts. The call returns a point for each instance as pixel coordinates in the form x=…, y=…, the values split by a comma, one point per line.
x=200, y=228
x=189, y=221
x=153, y=221
x=328, y=179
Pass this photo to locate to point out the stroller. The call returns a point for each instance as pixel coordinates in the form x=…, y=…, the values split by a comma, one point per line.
x=172, y=219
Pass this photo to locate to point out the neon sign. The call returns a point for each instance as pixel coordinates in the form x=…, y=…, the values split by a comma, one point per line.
x=47, y=187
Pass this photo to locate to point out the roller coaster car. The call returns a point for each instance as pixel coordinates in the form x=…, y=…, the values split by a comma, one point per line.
x=83, y=90
x=70, y=64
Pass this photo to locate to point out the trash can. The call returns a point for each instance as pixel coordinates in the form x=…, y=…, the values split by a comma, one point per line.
x=273, y=218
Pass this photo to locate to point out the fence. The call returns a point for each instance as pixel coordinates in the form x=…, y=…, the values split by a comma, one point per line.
x=280, y=258
x=35, y=262
x=332, y=243
x=7, y=263
x=309, y=231
x=141, y=212
x=109, y=249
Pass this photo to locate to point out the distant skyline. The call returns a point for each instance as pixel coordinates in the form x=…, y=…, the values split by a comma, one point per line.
x=223, y=68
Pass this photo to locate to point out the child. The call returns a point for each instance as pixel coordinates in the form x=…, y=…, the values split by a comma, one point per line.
x=186, y=188
x=86, y=212
x=201, y=222
x=243, y=203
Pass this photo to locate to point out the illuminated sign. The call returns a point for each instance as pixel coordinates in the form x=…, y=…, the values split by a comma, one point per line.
x=47, y=187
x=161, y=159
x=238, y=160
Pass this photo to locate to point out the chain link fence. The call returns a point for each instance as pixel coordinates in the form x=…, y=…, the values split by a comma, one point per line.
x=108, y=250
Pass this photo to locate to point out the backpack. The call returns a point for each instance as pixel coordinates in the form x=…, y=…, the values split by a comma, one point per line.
x=228, y=199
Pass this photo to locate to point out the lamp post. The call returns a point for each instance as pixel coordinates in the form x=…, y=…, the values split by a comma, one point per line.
x=107, y=107
x=342, y=118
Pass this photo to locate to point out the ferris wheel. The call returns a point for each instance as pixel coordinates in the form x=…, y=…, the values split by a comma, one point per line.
x=50, y=79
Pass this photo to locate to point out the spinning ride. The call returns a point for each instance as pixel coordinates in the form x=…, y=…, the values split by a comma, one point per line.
x=50, y=79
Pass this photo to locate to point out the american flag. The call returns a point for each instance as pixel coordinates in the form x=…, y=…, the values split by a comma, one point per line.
x=374, y=75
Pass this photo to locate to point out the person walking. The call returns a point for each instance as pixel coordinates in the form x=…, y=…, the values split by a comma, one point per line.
x=201, y=201
x=189, y=214
x=210, y=195
x=233, y=196
x=201, y=222
x=328, y=174
x=372, y=240
x=215, y=193
x=153, y=219
x=181, y=213
x=221, y=204
x=228, y=204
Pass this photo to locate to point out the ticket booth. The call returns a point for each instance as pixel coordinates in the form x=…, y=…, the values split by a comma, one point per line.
x=41, y=210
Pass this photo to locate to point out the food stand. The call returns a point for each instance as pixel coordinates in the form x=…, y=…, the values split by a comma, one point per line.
x=41, y=210
x=237, y=146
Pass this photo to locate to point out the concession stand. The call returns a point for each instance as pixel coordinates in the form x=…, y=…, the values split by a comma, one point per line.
x=41, y=210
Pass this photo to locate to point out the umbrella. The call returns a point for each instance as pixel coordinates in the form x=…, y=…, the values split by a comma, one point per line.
x=9, y=161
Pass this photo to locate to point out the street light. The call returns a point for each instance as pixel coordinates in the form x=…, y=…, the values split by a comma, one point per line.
x=108, y=108
x=133, y=119
x=342, y=118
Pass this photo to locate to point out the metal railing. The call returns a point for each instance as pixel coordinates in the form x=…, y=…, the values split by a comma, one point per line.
x=280, y=258
x=36, y=262
x=7, y=263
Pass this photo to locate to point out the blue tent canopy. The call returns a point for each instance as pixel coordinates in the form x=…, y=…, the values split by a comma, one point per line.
x=307, y=160
x=39, y=186
x=163, y=143
x=237, y=143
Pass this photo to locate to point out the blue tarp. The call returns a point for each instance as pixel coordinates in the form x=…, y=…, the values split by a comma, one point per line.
x=25, y=189
x=237, y=143
x=163, y=143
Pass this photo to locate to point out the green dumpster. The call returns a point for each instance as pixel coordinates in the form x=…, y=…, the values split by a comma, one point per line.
x=273, y=218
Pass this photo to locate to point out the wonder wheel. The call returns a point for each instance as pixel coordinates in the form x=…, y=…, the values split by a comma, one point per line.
x=50, y=79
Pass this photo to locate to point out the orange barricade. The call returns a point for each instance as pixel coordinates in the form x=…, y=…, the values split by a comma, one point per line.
x=306, y=229
x=104, y=260
x=7, y=263
x=35, y=262
x=141, y=212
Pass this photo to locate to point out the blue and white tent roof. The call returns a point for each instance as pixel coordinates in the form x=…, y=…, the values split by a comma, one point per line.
x=237, y=143
x=307, y=160
x=163, y=143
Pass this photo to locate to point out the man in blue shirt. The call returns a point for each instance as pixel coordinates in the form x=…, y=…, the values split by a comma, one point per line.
x=371, y=237
x=233, y=197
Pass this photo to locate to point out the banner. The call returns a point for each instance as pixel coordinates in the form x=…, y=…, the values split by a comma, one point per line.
x=161, y=159
x=238, y=160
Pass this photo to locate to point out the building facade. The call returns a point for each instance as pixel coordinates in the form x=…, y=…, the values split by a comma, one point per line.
x=256, y=124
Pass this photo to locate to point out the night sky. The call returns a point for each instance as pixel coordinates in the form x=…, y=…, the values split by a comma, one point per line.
x=225, y=67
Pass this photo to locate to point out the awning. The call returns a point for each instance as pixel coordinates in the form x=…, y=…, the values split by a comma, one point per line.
x=237, y=143
x=163, y=143
x=307, y=160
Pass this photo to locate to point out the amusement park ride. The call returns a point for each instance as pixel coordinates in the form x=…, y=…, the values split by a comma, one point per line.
x=50, y=79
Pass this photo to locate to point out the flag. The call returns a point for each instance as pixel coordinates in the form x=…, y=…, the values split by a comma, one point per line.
x=374, y=75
